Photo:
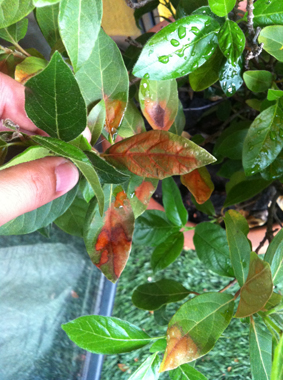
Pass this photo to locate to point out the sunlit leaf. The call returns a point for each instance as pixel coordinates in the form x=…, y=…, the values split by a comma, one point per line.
x=272, y=39
x=104, y=76
x=28, y=68
x=43, y=3
x=14, y=33
x=274, y=256
x=230, y=77
x=212, y=248
x=268, y=13
x=10, y=13
x=277, y=366
x=186, y=372
x=148, y=370
x=257, y=289
x=47, y=19
x=54, y=102
x=96, y=121
x=173, y=203
x=199, y=184
x=79, y=23
x=105, y=335
x=195, y=328
x=132, y=123
x=221, y=7
x=157, y=154
x=179, y=48
x=231, y=40
x=152, y=296
x=108, y=238
x=159, y=102
x=274, y=94
x=158, y=346
x=30, y=154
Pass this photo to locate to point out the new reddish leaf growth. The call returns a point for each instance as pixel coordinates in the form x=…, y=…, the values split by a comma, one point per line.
x=158, y=115
x=199, y=184
x=144, y=192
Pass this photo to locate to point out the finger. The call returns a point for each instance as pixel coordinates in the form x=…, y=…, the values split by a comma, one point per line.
x=28, y=186
x=12, y=104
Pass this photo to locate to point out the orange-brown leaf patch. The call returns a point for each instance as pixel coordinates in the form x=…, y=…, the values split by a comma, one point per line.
x=157, y=114
x=144, y=192
x=115, y=110
x=199, y=184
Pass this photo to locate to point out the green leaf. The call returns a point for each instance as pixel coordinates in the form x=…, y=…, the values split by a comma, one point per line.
x=28, y=68
x=258, y=80
x=96, y=120
x=167, y=252
x=152, y=296
x=264, y=140
x=230, y=76
x=159, y=102
x=254, y=104
x=104, y=76
x=161, y=318
x=106, y=172
x=185, y=7
x=193, y=38
x=206, y=207
x=206, y=75
x=72, y=221
x=30, y=154
x=132, y=52
x=132, y=123
x=205, y=10
x=173, y=203
x=43, y=3
x=10, y=13
x=158, y=346
x=148, y=370
x=149, y=7
x=274, y=94
x=152, y=228
x=39, y=218
x=81, y=143
x=180, y=121
x=274, y=256
x=105, y=335
x=277, y=366
x=239, y=246
x=260, y=351
x=257, y=289
x=54, y=102
x=272, y=38
x=212, y=248
x=79, y=159
x=231, y=40
x=108, y=238
x=86, y=190
x=47, y=19
x=79, y=23
x=195, y=328
x=221, y=7
x=268, y=13
x=186, y=372
x=14, y=33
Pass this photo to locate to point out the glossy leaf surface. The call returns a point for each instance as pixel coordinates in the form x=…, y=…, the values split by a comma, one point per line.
x=264, y=140
x=272, y=38
x=12, y=13
x=230, y=76
x=274, y=94
x=47, y=19
x=79, y=23
x=257, y=289
x=167, y=252
x=105, y=335
x=260, y=351
x=239, y=246
x=231, y=40
x=195, y=328
x=146, y=232
x=212, y=248
x=179, y=48
x=28, y=68
x=221, y=7
x=159, y=102
x=274, y=256
x=268, y=13
x=152, y=296
x=43, y=3
x=179, y=122
x=54, y=102
x=173, y=203
x=157, y=154
x=258, y=80
x=41, y=217
x=14, y=33
x=158, y=346
x=186, y=372
x=79, y=159
x=108, y=238
x=30, y=154
x=277, y=366
x=132, y=123
x=185, y=8
x=148, y=370
x=104, y=76
x=96, y=121
x=199, y=183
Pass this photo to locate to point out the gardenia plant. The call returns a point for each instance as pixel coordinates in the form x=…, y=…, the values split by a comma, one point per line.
x=232, y=57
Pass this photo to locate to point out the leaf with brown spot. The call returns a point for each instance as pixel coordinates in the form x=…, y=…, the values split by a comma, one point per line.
x=195, y=328
x=157, y=154
x=132, y=123
x=115, y=110
x=159, y=102
x=29, y=68
x=8, y=64
x=108, y=239
x=257, y=289
x=199, y=184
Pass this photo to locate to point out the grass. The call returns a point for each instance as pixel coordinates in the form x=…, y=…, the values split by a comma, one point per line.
x=230, y=357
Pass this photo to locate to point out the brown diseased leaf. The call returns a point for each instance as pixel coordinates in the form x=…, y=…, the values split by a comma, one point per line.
x=157, y=154
x=114, y=242
x=115, y=110
x=257, y=289
x=158, y=115
x=144, y=192
x=199, y=184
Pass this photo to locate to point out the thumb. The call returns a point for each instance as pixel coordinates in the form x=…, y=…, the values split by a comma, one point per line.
x=28, y=186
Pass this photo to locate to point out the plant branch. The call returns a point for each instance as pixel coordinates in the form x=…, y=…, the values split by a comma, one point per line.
x=250, y=9
x=231, y=283
x=23, y=51
x=271, y=210
x=13, y=52
x=137, y=5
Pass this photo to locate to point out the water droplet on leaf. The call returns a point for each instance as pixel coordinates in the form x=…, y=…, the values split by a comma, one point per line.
x=163, y=59
x=182, y=32
x=175, y=42
x=273, y=135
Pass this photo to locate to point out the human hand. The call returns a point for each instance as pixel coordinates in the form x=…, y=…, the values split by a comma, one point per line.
x=30, y=185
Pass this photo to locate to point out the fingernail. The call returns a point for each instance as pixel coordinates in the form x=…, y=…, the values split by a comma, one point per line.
x=67, y=176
